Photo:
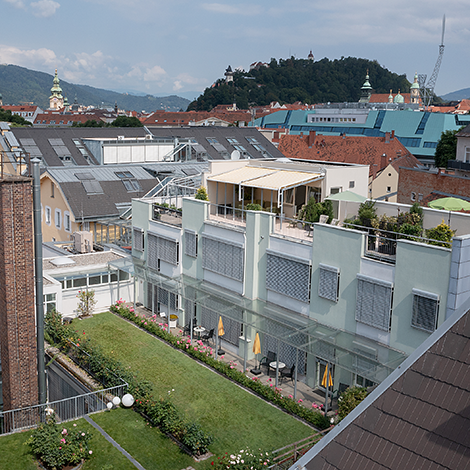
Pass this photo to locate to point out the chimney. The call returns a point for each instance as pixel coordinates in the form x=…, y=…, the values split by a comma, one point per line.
x=311, y=138
x=387, y=137
x=383, y=161
x=392, y=136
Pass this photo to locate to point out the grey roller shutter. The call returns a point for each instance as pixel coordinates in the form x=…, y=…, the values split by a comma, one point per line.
x=374, y=302
x=138, y=239
x=288, y=275
x=425, y=310
x=190, y=243
x=328, y=284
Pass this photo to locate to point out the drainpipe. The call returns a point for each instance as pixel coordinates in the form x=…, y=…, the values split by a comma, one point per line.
x=39, y=281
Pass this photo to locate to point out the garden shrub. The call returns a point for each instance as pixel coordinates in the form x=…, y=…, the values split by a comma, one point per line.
x=441, y=233
x=349, y=399
x=56, y=446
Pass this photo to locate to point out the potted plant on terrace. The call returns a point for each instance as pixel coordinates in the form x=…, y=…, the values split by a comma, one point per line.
x=173, y=320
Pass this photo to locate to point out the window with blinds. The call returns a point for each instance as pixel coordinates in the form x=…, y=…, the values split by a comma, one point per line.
x=223, y=257
x=328, y=284
x=288, y=275
x=425, y=310
x=374, y=302
x=161, y=248
x=138, y=238
x=190, y=243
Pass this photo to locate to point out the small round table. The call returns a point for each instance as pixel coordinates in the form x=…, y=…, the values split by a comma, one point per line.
x=274, y=364
x=199, y=330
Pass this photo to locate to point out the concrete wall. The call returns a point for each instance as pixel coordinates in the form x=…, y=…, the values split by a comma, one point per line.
x=459, y=282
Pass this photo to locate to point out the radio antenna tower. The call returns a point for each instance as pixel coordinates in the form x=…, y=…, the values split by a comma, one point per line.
x=427, y=89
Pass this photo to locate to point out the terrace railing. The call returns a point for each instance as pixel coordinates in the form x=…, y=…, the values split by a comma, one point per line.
x=65, y=410
x=382, y=244
x=227, y=214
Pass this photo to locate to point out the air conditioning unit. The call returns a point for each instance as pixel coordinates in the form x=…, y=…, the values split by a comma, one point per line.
x=148, y=137
x=83, y=242
x=120, y=137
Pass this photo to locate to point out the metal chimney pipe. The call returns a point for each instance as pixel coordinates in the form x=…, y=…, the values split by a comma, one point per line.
x=39, y=280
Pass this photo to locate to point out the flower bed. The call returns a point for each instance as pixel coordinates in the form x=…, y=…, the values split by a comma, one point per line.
x=206, y=354
x=56, y=446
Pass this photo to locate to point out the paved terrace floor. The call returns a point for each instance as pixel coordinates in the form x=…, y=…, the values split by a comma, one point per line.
x=304, y=392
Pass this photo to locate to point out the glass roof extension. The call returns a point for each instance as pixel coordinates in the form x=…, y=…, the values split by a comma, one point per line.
x=345, y=349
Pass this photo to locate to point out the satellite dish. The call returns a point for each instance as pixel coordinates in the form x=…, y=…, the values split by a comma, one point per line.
x=235, y=155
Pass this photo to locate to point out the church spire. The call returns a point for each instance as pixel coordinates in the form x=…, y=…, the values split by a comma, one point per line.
x=366, y=90
x=56, y=100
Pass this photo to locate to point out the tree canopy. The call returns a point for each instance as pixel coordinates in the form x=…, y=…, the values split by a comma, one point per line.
x=120, y=121
x=446, y=148
x=8, y=116
x=291, y=80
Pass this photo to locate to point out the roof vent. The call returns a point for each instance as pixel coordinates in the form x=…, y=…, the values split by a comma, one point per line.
x=62, y=261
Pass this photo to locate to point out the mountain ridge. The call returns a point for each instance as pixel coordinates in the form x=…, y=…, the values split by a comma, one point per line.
x=20, y=84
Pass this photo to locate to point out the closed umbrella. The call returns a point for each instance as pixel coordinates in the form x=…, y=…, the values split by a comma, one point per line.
x=220, y=332
x=256, y=351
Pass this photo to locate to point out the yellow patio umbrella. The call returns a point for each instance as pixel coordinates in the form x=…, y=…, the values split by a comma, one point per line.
x=221, y=327
x=257, y=345
x=256, y=350
x=220, y=332
x=325, y=379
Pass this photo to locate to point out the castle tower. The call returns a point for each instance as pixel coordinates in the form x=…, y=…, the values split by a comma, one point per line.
x=366, y=91
x=414, y=90
x=228, y=75
x=17, y=313
x=56, y=100
x=390, y=97
x=311, y=57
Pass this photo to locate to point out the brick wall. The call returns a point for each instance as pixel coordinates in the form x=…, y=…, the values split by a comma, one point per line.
x=17, y=311
x=423, y=182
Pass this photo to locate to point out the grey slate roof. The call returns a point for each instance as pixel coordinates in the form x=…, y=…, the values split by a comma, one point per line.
x=418, y=418
x=41, y=138
x=201, y=133
x=103, y=205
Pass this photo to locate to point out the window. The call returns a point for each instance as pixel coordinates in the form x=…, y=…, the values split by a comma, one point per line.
x=335, y=190
x=161, y=248
x=67, y=225
x=389, y=189
x=49, y=302
x=223, y=257
x=351, y=184
x=374, y=302
x=288, y=275
x=138, y=239
x=129, y=181
x=48, y=215
x=124, y=174
x=328, y=284
x=57, y=218
x=425, y=310
x=467, y=154
x=190, y=243
x=52, y=188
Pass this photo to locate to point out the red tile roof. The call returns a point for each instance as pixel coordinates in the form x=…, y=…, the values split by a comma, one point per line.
x=167, y=118
x=349, y=149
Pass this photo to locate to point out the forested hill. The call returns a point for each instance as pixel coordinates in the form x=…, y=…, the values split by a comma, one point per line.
x=291, y=80
x=19, y=85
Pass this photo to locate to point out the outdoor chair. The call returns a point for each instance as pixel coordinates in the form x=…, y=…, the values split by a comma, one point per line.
x=207, y=336
x=287, y=373
x=271, y=357
x=187, y=329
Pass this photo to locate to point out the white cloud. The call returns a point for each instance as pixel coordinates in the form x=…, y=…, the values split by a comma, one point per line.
x=44, y=8
x=246, y=10
x=16, y=3
x=30, y=58
x=154, y=74
x=184, y=79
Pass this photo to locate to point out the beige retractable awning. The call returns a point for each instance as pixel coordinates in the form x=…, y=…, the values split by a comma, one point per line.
x=266, y=178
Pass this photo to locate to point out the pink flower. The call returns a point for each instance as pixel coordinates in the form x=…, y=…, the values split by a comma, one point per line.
x=177, y=342
x=64, y=431
x=62, y=440
x=300, y=401
x=74, y=425
x=290, y=396
x=90, y=452
x=315, y=405
x=271, y=385
x=83, y=433
x=60, y=448
x=145, y=323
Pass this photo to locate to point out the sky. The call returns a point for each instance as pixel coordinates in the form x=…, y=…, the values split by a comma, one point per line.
x=180, y=46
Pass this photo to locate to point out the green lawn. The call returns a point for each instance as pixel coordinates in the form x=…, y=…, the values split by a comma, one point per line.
x=14, y=455
x=235, y=417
